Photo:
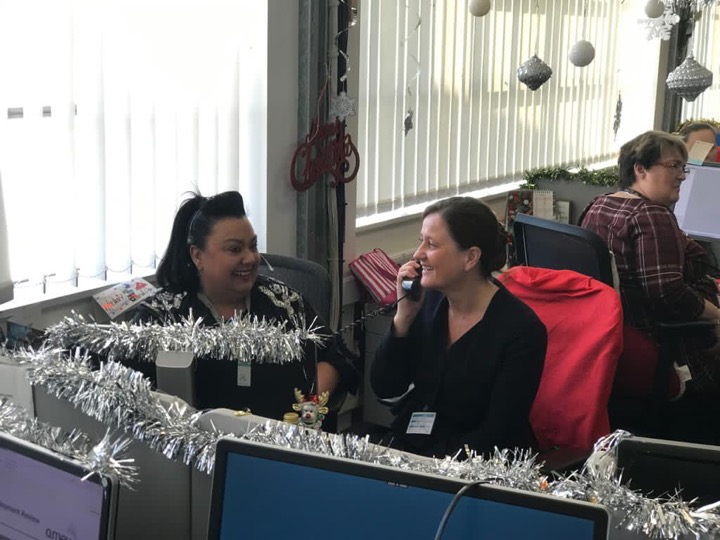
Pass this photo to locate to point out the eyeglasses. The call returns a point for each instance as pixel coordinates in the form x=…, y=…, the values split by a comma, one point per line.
x=677, y=166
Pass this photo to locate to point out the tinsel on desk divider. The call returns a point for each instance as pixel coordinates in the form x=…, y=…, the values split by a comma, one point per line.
x=242, y=338
x=104, y=457
x=120, y=397
x=598, y=482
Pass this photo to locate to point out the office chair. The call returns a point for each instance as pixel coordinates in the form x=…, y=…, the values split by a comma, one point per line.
x=550, y=244
x=307, y=277
x=584, y=322
x=313, y=281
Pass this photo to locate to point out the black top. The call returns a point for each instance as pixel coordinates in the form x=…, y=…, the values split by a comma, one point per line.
x=271, y=391
x=481, y=388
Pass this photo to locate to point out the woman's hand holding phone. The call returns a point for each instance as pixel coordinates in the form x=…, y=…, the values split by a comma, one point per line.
x=410, y=294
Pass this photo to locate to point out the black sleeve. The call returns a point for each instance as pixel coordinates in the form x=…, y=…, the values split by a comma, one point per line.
x=334, y=352
x=395, y=362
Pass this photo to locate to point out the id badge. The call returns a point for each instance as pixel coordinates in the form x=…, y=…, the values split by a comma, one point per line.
x=421, y=423
x=244, y=374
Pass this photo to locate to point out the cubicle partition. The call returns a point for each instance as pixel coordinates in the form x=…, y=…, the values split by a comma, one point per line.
x=224, y=421
x=159, y=506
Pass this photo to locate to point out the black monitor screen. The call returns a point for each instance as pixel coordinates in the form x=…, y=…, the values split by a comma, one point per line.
x=656, y=467
x=267, y=492
x=42, y=495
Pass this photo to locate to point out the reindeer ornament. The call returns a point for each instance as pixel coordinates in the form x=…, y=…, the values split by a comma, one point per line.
x=311, y=410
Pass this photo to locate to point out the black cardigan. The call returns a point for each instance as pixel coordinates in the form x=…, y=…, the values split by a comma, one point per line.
x=271, y=391
x=481, y=388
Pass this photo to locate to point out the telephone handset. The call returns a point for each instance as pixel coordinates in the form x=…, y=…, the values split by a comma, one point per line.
x=412, y=287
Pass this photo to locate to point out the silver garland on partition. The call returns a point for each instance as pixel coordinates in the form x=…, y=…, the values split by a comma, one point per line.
x=508, y=468
x=101, y=458
x=121, y=398
x=241, y=338
x=598, y=482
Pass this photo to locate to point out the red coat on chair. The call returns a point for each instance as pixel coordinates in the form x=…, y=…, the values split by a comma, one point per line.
x=584, y=322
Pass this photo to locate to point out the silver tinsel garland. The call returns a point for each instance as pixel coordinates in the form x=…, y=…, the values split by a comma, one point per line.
x=119, y=397
x=101, y=458
x=241, y=338
x=598, y=482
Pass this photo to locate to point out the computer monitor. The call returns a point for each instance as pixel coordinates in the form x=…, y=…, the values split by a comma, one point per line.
x=656, y=467
x=43, y=495
x=696, y=210
x=262, y=491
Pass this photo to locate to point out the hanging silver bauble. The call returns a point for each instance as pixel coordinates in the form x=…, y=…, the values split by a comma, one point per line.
x=582, y=53
x=479, y=8
x=654, y=8
x=534, y=72
x=689, y=79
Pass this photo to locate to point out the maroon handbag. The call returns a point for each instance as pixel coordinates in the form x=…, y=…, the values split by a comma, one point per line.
x=378, y=274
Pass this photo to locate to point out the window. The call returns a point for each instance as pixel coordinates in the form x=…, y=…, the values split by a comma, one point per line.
x=450, y=78
x=705, y=44
x=110, y=111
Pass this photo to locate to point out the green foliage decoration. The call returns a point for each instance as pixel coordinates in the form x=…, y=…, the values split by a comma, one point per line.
x=607, y=177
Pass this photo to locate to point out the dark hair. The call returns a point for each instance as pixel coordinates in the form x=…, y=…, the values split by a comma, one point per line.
x=646, y=149
x=193, y=223
x=473, y=223
x=692, y=127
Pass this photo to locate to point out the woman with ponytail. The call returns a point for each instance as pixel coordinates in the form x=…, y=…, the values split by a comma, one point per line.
x=210, y=269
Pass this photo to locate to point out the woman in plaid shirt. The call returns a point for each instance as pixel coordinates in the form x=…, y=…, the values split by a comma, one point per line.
x=665, y=276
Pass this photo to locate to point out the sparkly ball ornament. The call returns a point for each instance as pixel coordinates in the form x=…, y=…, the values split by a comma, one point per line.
x=534, y=72
x=582, y=53
x=654, y=8
x=479, y=8
x=689, y=79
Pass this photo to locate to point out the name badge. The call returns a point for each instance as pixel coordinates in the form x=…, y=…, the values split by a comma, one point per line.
x=244, y=374
x=421, y=423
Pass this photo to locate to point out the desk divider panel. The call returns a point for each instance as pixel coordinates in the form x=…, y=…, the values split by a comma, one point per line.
x=159, y=507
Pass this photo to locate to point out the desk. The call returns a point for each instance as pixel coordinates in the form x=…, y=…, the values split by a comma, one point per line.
x=697, y=210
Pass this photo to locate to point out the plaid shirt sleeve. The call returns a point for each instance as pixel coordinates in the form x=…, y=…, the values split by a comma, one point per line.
x=660, y=248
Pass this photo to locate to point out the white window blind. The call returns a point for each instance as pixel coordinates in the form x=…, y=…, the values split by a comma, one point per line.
x=474, y=125
x=110, y=111
x=705, y=47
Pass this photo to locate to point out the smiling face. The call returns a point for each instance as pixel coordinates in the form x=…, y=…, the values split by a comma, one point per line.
x=444, y=262
x=661, y=181
x=228, y=264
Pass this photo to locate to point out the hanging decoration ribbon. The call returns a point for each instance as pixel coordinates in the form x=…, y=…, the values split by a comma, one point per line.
x=326, y=150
